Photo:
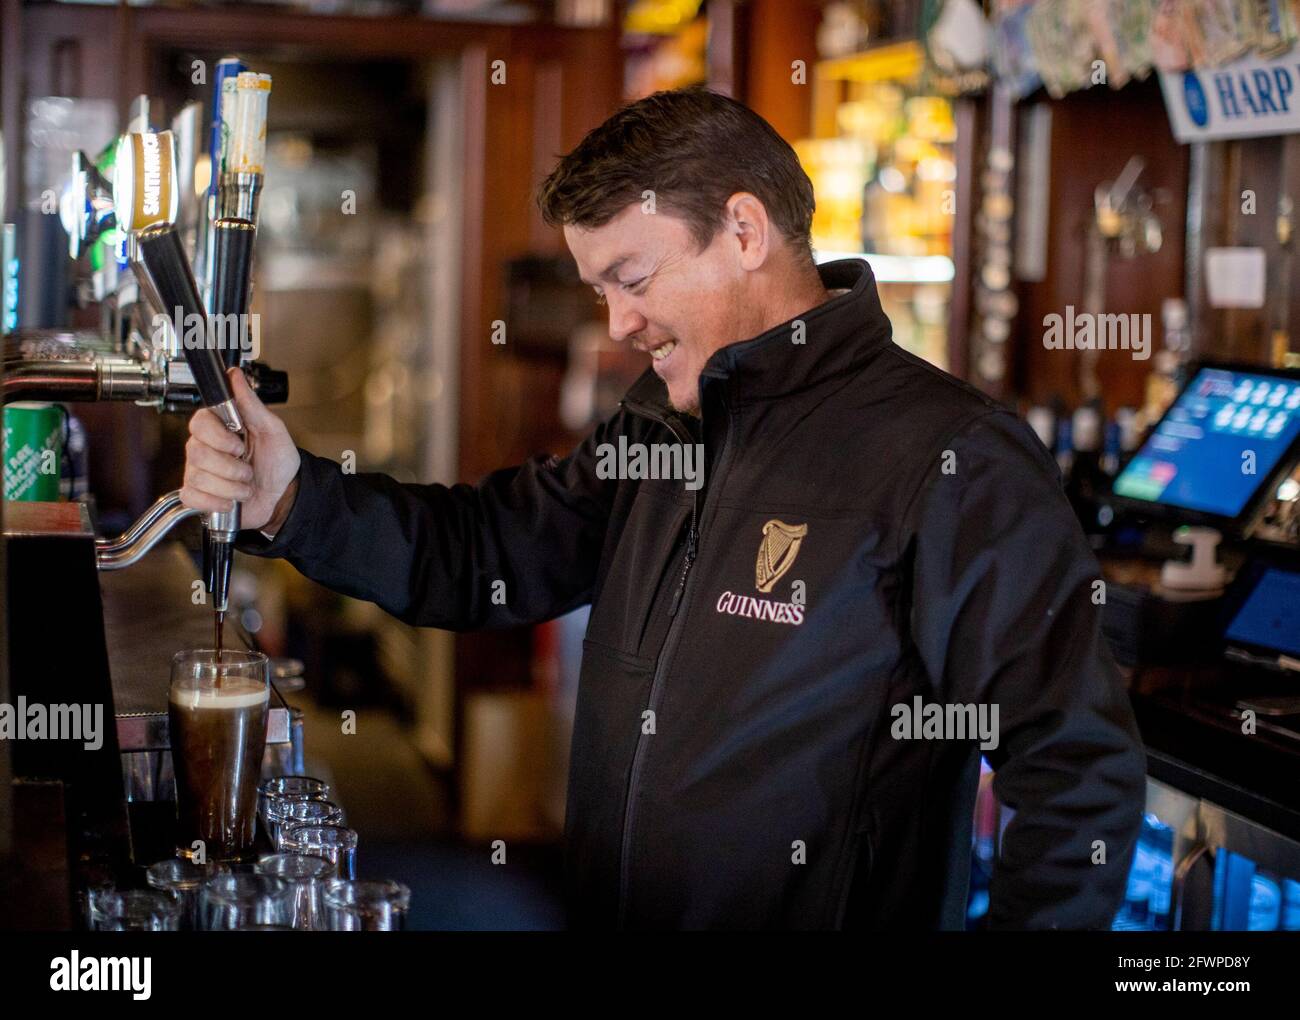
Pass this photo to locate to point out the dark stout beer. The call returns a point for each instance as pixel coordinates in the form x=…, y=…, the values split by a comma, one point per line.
x=218, y=735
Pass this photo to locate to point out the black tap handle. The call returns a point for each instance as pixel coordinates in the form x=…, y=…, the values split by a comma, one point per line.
x=232, y=269
x=164, y=259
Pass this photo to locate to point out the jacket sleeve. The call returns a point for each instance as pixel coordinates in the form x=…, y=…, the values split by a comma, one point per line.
x=432, y=555
x=1005, y=614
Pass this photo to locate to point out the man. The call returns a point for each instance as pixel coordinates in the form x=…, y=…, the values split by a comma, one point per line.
x=786, y=667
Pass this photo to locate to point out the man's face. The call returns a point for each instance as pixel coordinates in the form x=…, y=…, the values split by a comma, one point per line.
x=672, y=301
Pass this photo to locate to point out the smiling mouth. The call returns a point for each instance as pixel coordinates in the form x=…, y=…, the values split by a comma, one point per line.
x=663, y=350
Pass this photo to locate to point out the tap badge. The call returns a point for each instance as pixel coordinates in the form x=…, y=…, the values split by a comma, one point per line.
x=145, y=192
x=777, y=552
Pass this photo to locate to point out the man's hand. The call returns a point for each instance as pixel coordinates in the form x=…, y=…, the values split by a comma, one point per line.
x=215, y=474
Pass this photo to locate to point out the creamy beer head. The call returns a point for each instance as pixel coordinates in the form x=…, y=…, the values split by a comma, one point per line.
x=234, y=693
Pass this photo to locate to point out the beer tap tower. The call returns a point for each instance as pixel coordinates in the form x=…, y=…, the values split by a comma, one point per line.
x=144, y=192
x=168, y=337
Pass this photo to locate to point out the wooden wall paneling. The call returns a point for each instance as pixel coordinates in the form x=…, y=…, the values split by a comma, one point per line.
x=777, y=33
x=547, y=145
x=563, y=83
x=1199, y=183
x=1223, y=324
x=387, y=37
x=1210, y=183
x=507, y=169
x=503, y=162
x=577, y=85
x=725, y=56
x=827, y=95
x=496, y=157
x=1242, y=334
x=1093, y=135
x=1233, y=174
x=1270, y=169
x=1289, y=320
x=71, y=50
x=592, y=66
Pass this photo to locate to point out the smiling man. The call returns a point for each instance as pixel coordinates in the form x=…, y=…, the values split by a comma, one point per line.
x=724, y=265
x=873, y=540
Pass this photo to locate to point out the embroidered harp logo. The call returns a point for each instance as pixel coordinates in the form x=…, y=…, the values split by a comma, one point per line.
x=777, y=551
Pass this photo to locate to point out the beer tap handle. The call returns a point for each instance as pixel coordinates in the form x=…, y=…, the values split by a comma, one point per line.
x=147, y=204
x=232, y=270
x=164, y=259
x=145, y=194
x=86, y=206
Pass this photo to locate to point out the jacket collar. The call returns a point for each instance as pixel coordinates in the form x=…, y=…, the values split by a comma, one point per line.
x=839, y=336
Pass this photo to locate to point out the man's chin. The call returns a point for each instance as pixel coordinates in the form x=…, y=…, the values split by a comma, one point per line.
x=683, y=396
x=687, y=406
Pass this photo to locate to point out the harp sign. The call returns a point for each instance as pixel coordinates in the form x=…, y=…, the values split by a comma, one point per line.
x=777, y=551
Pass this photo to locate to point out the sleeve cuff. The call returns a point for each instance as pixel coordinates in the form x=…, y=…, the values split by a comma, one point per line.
x=256, y=543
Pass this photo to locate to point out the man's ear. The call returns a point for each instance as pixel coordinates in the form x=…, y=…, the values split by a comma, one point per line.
x=748, y=223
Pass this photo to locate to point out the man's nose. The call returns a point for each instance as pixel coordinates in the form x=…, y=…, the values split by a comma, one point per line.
x=624, y=320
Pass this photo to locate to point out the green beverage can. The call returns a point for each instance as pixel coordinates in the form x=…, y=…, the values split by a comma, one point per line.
x=33, y=435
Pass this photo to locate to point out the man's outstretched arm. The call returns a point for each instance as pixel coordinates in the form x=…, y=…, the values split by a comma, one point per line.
x=521, y=546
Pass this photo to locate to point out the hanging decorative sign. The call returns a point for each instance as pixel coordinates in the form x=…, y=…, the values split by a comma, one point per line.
x=1249, y=97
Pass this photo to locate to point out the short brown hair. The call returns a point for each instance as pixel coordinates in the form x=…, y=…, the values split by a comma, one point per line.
x=694, y=149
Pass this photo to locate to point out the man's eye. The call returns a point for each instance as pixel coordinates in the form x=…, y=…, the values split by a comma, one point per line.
x=631, y=287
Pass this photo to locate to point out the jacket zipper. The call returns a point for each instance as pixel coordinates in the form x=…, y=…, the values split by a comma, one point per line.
x=692, y=546
x=661, y=667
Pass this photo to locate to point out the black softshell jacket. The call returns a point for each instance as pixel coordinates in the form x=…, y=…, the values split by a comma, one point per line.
x=870, y=530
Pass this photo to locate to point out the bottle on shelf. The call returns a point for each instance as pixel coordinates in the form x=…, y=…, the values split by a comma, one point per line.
x=1112, y=450
x=1087, y=484
x=1130, y=430
x=1170, y=363
x=1064, y=448
x=1043, y=421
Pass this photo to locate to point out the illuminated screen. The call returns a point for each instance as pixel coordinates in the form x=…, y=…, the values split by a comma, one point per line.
x=1197, y=457
x=1270, y=617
